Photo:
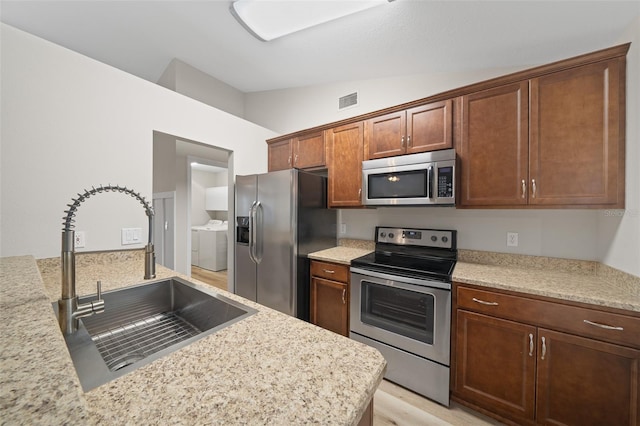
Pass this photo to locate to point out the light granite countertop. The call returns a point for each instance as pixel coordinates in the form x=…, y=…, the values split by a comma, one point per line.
x=345, y=252
x=266, y=369
x=567, y=279
x=600, y=287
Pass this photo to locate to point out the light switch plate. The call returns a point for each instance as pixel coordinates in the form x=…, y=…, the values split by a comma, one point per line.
x=131, y=236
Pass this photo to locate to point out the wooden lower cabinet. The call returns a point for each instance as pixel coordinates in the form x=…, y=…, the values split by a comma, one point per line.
x=330, y=296
x=494, y=368
x=523, y=373
x=586, y=382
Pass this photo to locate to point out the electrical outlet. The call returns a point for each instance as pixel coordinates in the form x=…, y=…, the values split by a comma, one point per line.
x=343, y=228
x=79, y=239
x=512, y=239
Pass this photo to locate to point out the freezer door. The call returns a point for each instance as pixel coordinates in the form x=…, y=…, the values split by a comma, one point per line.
x=245, y=268
x=275, y=240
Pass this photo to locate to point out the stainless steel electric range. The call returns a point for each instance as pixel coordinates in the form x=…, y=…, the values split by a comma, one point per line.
x=401, y=305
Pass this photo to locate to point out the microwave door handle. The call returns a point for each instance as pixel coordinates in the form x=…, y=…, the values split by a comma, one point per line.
x=430, y=182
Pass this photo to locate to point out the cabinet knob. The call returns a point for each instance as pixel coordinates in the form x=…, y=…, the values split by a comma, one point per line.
x=530, y=344
x=329, y=271
x=344, y=293
x=289, y=161
x=524, y=188
x=544, y=347
x=408, y=141
x=402, y=142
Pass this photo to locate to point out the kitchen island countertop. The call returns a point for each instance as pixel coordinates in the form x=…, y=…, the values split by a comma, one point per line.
x=266, y=369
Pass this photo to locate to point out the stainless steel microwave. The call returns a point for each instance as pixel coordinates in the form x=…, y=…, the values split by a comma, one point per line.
x=427, y=178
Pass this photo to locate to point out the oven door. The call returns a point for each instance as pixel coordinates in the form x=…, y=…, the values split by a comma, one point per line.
x=406, y=313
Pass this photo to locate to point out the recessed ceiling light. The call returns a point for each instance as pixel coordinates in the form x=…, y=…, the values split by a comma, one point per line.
x=270, y=19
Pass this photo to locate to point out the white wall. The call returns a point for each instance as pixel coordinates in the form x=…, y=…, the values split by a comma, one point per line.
x=190, y=81
x=555, y=233
x=619, y=230
x=69, y=122
x=290, y=110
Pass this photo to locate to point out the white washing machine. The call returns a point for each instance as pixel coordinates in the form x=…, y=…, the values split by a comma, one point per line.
x=209, y=245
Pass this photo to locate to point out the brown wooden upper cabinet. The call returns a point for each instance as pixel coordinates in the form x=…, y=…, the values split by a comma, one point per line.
x=562, y=145
x=345, y=147
x=493, y=144
x=306, y=151
x=279, y=155
x=423, y=128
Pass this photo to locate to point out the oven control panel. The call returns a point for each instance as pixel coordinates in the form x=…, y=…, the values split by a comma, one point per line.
x=439, y=238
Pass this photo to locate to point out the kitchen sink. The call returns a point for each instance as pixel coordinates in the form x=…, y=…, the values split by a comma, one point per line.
x=145, y=322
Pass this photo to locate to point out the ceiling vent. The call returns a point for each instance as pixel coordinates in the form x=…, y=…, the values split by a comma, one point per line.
x=348, y=101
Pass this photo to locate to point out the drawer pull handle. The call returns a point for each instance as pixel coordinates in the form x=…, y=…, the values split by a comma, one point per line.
x=530, y=344
x=344, y=293
x=544, y=348
x=607, y=327
x=329, y=271
x=482, y=302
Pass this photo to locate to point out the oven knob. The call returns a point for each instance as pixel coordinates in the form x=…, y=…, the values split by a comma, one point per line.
x=434, y=238
x=390, y=235
x=382, y=235
x=445, y=239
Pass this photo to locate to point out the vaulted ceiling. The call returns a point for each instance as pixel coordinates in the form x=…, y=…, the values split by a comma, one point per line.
x=399, y=38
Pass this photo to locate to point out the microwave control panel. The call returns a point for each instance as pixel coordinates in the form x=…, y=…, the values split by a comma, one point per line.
x=445, y=182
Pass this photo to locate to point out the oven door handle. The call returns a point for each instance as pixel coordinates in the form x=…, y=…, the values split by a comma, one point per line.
x=390, y=277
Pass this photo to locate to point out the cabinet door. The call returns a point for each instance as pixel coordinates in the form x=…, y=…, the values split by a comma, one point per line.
x=309, y=151
x=586, y=382
x=495, y=364
x=429, y=127
x=385, y=135
x=329, y=305
x=576, y=153
x=279, y=155
x=493, y=147
x=345, y=165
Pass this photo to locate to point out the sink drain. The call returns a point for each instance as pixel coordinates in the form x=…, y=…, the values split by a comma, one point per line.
x=122, y=362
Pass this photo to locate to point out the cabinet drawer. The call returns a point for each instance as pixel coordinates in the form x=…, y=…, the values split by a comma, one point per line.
x=331, y=271
x=606, y=326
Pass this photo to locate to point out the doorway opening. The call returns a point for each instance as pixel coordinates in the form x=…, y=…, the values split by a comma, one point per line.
x=173, y=179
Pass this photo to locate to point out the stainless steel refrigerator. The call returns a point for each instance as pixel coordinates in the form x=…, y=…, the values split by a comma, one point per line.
x=281, y=217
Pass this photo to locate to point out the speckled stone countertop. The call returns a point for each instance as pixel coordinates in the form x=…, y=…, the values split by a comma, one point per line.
x=573, y=280
x=266, y=369
x=346, y=251
x=566, y=279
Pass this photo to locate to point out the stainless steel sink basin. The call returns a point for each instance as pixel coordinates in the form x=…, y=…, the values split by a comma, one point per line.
x=143, y=323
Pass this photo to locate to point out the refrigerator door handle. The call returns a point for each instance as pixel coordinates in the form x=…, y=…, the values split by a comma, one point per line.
x=257, y=239
x=252, y=228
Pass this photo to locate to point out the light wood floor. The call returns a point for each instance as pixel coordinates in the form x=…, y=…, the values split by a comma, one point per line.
x=215, y=278
x=393, y=405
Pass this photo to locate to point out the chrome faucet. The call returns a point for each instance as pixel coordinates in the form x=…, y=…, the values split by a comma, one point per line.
x=68, y=308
